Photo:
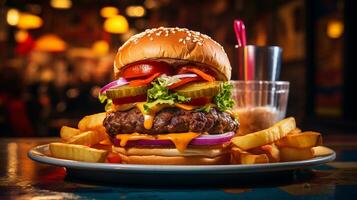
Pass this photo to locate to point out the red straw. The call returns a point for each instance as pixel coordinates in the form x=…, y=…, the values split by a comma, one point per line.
x=236, y=25
x=239, y=30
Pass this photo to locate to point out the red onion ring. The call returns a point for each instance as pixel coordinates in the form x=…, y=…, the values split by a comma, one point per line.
x=201, y=140
x=116, y=83
x=180, y=76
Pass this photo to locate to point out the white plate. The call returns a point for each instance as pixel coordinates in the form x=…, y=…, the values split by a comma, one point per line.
x=112, y=172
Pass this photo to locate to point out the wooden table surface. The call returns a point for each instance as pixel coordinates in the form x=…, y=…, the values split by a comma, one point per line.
x=22, y=178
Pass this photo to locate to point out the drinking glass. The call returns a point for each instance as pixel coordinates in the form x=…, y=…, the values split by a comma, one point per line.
x=259, y=104
x=258, y=62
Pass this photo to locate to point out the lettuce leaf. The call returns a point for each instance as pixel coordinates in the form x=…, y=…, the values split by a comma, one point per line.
x=206, y=108
x=104, y=99
x=160, y=94
x=223, y=98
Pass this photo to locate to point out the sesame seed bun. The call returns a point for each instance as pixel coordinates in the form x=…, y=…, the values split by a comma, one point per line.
x=174, y=45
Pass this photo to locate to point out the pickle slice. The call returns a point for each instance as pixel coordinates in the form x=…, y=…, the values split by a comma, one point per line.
x=126, y=91
x=197, y=90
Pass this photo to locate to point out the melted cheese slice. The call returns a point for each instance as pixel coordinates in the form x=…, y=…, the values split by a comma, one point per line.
x=124, y=138
x=148, y=117
x=185, y=106
x=180, y=140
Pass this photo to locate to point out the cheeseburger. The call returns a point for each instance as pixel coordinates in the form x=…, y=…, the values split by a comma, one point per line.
x=171, y=101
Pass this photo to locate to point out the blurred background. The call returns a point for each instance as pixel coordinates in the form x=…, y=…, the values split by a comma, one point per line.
x=56, y=54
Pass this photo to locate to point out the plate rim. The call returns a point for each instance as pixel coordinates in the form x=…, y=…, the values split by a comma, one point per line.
x=36, y=153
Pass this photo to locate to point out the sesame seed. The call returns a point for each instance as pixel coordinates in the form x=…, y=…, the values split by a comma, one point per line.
x=151, y=38
x=188, y=38
x=180, y=40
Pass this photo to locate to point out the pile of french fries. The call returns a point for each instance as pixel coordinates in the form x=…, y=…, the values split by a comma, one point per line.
x=280, y=143
x=89, y=142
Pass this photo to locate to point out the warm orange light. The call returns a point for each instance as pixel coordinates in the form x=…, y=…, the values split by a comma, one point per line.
x=151, y=4
x=109, y=11
x=117, y=24
x=135, y=11
x=100, y=47
x=29, y=21
x=61, y=4
x=13, y=158
x=50, y=43
x=12, y=16
x=335, y=29
x=21, y=35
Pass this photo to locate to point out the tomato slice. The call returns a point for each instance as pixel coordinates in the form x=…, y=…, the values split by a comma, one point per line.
x=145, y=81
x=184, y=81
x=113, y=158
x=132, y=99
x=145, y=68
x=199, y=101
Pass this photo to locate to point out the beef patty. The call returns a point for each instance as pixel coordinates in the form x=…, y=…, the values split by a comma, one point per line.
x=170, y=120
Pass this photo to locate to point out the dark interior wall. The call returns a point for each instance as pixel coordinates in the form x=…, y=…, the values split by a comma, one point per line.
x=350, y=62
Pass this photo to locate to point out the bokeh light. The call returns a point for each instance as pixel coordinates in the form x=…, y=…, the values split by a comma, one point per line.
x=29, y=21
x=135, y=11
x=12, y=16
x=21, y=35
x=100, y=47
x=117, y=24
x=61, y=4
x=109, y=11
x=50, y=43
x=335, y=29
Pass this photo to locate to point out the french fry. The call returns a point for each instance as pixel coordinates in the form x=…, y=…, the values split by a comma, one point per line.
x=92, y=122
x=239, y=156
x=67, y=132
x=295, y=131
x=321, y=151
x=266, y=136
x=295, y=154
x=271, y=150
x=77, y=152
x=103, y=147
x=87, y=138
x=300, y=140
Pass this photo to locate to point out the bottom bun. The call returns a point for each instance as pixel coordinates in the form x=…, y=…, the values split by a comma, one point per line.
x=223, y=158
x=176, y=160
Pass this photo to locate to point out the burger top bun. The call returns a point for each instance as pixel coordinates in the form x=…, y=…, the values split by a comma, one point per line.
x=174, y=45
